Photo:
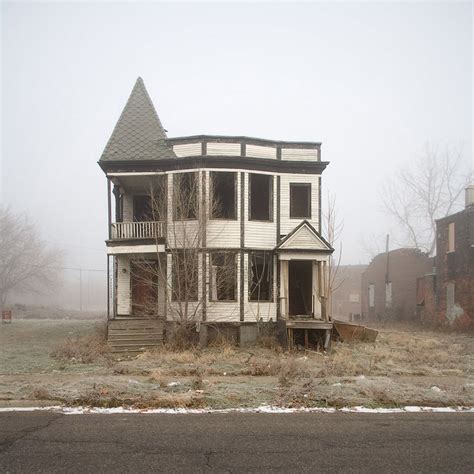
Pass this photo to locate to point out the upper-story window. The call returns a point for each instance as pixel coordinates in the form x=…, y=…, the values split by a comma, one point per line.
x=451, y=237
x=260, y=197
x=300, y=200
x=223, y=201
x=142, y=208
x=185, y=196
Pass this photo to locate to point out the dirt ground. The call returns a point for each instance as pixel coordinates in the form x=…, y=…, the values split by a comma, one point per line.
x=53, y=361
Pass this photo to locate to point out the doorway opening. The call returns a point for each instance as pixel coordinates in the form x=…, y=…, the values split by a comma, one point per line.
x=300, y=286
x=144, y=283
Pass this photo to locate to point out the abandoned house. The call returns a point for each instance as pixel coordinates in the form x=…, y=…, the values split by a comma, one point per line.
x=447, y=296
x=223, y=232
x=388, y=285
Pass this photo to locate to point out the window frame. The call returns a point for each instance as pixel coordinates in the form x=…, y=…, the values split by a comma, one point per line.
x=211, y=193
x=175, y=297
x=175, y=207
x=212, y=255
x=271, y=198
x=309, y=197
x=268, y=255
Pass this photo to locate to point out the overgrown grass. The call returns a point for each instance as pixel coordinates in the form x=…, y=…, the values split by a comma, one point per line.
x=84, y=349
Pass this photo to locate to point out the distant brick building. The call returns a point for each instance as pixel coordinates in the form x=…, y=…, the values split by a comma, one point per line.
x=454, y=286
x=389, y=285
x=346, y=299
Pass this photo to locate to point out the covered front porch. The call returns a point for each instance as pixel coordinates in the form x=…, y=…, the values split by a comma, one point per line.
x=303, y=259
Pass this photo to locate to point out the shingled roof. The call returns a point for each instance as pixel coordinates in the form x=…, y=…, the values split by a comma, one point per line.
x=139, y=134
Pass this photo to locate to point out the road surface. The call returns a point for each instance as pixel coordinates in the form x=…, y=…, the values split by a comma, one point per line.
x=311, y=442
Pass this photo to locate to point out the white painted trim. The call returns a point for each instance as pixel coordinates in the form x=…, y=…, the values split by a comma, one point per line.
x=124, y=249
x=319, y=257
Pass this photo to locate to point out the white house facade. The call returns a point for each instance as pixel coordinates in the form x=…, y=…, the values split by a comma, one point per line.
x=268, y=228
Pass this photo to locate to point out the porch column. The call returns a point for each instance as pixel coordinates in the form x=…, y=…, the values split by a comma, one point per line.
x=284, y=288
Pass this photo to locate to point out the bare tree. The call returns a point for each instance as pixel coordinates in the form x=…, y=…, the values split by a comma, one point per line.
x=185, y=210
x=425, y=190
x=27, y=264
x=333, y=227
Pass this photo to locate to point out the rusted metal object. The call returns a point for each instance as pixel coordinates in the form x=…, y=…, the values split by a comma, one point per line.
x=349, y=332
x=6, y=316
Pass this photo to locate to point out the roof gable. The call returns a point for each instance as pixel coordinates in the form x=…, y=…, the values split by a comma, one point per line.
x=305, y=237
x=138, y=134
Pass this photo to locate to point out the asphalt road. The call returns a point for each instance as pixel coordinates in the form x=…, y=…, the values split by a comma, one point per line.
x=341, y=442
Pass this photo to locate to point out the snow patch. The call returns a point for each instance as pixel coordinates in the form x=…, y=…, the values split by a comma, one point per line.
x=260, y=409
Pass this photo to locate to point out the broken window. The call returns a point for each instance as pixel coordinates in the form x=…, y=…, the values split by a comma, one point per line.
x=261, y=197
x=300, y=200
x=142, y=209
x=223, y=276
x=260, y=276
x=185, y=275
x=451, y=237
x=224, y=196
x=185, y=195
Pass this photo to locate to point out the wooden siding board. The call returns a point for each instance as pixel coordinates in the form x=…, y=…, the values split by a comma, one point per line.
x=223, y=149
x=286, y=223
x=299, y=154
x=188, y=149
x=259, y=151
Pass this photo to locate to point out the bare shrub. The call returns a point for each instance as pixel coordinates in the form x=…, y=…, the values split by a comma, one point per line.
x=85, y=349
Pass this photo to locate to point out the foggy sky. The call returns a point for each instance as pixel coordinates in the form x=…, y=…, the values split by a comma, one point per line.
x=373, y=81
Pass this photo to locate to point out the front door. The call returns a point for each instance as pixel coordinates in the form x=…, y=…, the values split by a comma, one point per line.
x=144, y=282
x=300, y=287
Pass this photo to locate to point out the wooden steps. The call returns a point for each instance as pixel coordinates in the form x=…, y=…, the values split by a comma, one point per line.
x=134, y=335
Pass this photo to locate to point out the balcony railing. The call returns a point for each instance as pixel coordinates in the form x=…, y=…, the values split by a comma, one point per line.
x=137, y=230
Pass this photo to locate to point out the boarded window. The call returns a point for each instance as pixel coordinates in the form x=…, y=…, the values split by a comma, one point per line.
x=260, y=276
x=223, y=276
x=300, y=200
x=451, y=237
x=261, y=197
x=185, y=275
x=185, y=195
x=371, y=295
x=224, y=196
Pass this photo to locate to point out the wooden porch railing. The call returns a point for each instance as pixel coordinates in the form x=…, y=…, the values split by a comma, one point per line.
x=137, y=230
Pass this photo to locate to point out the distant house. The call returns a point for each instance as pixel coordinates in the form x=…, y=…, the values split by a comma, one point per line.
x=389, y=284
x=346, y=298
x=453, y=286
x=259, y=257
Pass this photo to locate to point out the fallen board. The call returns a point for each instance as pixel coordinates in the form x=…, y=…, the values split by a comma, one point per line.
x=349, y=332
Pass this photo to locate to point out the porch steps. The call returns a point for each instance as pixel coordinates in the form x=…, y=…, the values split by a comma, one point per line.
x=134, y=335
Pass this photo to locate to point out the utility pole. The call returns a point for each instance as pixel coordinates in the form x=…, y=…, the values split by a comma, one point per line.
x=80, y=289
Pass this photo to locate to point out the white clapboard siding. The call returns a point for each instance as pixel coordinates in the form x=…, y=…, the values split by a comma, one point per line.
x=227, y=149
x=194, y=307
x=304, y=238
x=259, y=151
x=260, y=234
x=287, y=224
x=225, y=311
x=222, y=232
x=182, y=232
x=188, y=149
x=299, y=154
x=123, y=286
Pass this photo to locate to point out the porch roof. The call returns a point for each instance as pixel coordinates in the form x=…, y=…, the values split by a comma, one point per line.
x=304, y=238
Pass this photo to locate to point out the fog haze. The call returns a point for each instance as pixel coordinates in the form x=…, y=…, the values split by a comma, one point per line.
x=374, y=82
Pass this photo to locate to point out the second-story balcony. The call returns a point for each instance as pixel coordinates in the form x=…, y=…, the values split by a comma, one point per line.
x=137, y=230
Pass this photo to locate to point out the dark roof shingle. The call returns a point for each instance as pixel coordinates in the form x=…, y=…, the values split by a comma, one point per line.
x=138, y=134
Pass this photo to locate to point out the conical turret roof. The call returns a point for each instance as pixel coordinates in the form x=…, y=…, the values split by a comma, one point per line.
x=138, y=134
